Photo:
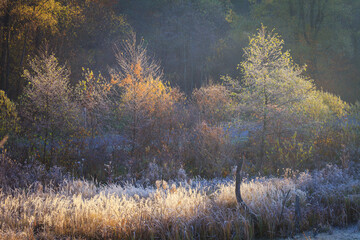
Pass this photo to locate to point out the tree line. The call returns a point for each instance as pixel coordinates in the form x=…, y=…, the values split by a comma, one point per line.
x=134, y=124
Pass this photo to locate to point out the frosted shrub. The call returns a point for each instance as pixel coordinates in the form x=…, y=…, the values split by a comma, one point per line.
x=208, y=152
x=153, y=172
x=16, y=175
x=181, y=174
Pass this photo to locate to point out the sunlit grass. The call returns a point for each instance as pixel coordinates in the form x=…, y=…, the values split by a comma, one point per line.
x=82, y=210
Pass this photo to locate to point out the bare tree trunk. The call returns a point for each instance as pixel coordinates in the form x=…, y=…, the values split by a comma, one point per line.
x=7, y=61
x=4, y=49
x=238, y=181
x=133, y=134
x=24, y=48
x=45, y=145
x=185, y=64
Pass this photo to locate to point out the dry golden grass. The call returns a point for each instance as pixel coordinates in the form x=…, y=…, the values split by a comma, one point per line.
x=80, y=210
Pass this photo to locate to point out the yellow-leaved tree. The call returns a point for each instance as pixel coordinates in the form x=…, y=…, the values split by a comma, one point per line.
x=282, y=104
x=272, y=86
x=92, y=93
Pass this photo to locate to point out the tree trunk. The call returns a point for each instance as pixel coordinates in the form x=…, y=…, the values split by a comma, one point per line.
x=133, y=134
x=291, y=8
x=7, y=70
x=44, y=153
x=238, y=182
x=263, y=133
x=24, y=48
x=185, y=64
x=4, y=48
x=38, y=38
x=355, y=42
x=19, y=86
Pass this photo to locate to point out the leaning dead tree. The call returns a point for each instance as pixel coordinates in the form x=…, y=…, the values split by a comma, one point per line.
x=238, y=181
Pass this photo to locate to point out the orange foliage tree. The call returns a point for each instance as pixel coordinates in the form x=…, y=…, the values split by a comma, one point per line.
x=147, y=102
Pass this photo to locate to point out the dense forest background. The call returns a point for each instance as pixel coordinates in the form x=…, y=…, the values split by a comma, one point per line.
x=195, y=41
x=147, y=89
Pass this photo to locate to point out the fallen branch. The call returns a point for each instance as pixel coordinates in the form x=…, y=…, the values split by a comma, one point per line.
x=283, y=205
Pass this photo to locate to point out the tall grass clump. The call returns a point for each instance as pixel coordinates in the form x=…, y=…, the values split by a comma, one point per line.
x=182, y=210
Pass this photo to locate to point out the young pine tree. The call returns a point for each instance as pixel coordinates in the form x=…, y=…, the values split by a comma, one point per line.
x=272, y=85
x=47, y=105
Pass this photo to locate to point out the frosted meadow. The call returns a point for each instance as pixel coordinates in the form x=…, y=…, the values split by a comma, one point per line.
x=199, y=209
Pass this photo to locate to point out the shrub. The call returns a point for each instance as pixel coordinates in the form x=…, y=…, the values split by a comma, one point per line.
x=213, y=103
x=208, y=151
x=321, y=106
x=290, y=153
x=16, y=175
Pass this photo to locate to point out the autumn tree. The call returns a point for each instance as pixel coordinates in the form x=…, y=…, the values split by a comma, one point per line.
x=92, y=93
x=24, y=26
x=47, y=104
x=271, y=86
x=80, y=32
x=147, y=101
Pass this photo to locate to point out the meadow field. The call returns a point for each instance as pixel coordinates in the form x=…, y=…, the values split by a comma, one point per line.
x=192, y=209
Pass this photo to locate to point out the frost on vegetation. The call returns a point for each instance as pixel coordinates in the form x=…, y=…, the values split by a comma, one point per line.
x=127, y=190
x=186, y=209
x=15, y=175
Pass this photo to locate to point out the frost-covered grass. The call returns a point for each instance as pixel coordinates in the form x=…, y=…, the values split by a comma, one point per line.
x=201, y=209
